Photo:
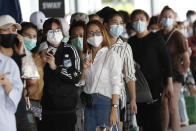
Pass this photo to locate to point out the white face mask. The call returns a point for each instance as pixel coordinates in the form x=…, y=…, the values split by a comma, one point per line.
x=95, y=40
x=55, y=38
x=192, y=18
x=184, y=32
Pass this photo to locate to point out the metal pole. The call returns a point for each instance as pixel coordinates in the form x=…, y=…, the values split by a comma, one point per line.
x=152, y=7
x=76, y=5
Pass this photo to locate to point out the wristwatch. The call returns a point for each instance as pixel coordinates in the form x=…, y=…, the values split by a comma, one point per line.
x=115, y=105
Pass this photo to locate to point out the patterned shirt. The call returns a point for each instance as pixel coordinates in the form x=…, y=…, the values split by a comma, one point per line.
x=124, y=50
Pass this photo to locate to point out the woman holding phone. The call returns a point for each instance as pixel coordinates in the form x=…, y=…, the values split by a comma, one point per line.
x=61, y=73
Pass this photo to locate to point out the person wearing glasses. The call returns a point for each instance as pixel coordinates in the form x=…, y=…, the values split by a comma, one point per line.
x=101, y=73
x=61, y=73
x=114, y=25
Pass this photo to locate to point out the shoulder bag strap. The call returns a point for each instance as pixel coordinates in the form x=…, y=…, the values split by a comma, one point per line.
x=170, y=35
x=101, y=70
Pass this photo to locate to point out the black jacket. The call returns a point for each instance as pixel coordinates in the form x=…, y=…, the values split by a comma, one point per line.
x=60, y=92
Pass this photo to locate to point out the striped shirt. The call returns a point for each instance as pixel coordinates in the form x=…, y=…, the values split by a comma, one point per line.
x=124, y=50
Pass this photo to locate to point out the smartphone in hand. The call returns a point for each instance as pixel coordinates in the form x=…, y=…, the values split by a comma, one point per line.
x=51, y=50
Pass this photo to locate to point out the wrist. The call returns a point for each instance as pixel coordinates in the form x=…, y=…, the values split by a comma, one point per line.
x=8, y=87
x=21, y=55
x=83, y=70
x=133, y=100
x=20, y=52
x=53, y=67
x=114, y=109
x=7, y=84
x=27, y=94
x=115, y=106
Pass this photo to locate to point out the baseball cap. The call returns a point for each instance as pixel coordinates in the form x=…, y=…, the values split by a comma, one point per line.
x=6, y=21
x=38, y=18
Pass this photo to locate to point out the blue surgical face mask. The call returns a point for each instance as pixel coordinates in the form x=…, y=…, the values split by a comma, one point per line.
x=167, y=22
x=30, y=43
x=139, y=26
x=116, y=30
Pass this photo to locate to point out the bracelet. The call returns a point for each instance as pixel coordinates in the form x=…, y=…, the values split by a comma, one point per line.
x=21, y=56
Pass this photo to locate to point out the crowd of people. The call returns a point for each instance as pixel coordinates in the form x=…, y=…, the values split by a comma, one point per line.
x=105, y=71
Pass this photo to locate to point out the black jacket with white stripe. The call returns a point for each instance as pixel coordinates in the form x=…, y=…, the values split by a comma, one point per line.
x=60, y=92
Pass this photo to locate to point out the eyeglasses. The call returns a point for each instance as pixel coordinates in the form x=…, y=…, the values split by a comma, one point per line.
x=98, y=32
x=51, y=31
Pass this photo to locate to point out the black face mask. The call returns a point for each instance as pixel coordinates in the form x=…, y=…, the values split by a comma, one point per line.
x=8, y=40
